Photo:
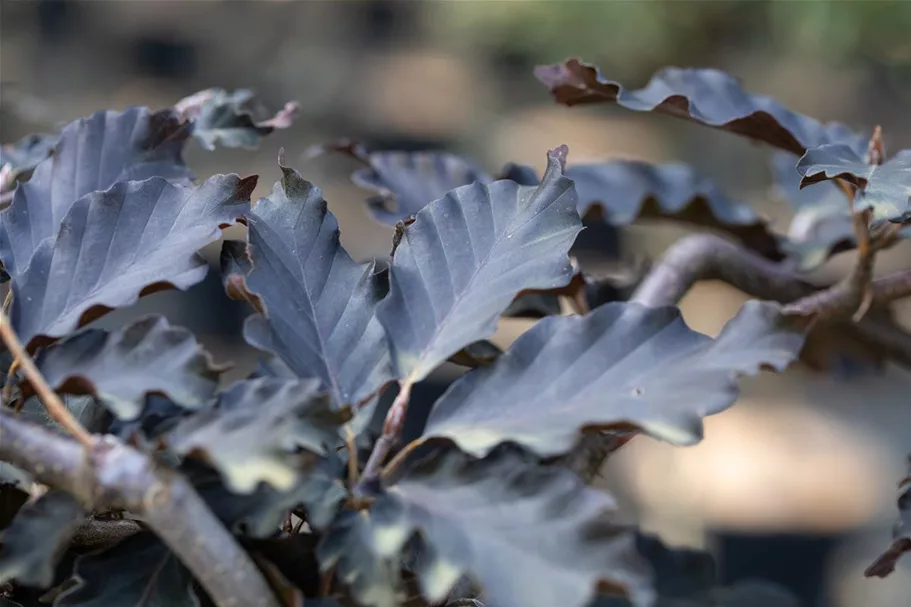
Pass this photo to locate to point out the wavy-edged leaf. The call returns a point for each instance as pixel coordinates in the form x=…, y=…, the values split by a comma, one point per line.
x=901, y=533
x=254, y=432
x=406, y=182
x=707, y=96
x=623, y=363
x=623, y=191
x=466, y=257
x=18, y=160
x=92, y=155
x=884, y=188
x=530, y=535
x=158, y=415
x=320, y=488
x=120, y=368
x=320, y=305
x=140, y=570
x=234, y=120
x=116, y=245
x=32, y=545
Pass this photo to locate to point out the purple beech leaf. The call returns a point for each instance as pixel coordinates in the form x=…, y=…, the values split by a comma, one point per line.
x=624, y=191
x=35, y=541
x=319, y=304
x=885, y=188
x=467, y=256
x=261, y=513
x=122, y=367
x=530, y=535
x=157, y=415
x=93, y=154
x=138, y=571
x=19, y=159
x=406, y=182
x=114, y=246
x=706, y=96
x=821, y=226
x=255, y=431
x=234, y=120
x=623, y=363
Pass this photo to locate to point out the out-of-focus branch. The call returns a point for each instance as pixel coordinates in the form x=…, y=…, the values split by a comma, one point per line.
x=707, y=257
x=111, y=475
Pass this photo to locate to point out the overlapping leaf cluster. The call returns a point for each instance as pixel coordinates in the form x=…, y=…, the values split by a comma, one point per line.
x=474, y=504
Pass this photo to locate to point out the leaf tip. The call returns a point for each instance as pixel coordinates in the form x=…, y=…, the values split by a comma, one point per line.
x=558, y=155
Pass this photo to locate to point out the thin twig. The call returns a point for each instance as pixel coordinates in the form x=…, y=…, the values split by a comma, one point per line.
x=392, y=431
x=54, y=405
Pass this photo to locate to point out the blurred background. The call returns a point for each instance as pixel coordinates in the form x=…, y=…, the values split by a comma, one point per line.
x=797, y=482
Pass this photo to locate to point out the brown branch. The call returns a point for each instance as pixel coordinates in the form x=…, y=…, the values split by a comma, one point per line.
x=708, y=257
x=54, y=405
x=111, y=475
x=703, y=256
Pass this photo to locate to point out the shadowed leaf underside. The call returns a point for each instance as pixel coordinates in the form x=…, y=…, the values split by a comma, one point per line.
x=707, y=96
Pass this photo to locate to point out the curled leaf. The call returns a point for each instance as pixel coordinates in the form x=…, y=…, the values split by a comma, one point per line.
x=623, y=363
x=93, y=154
x=623, y=191
x=884, y=188
x=121, y=368
x=255, y=432
x=319, y=304
x=530, y=535
x=707, y=96
x=114, y=246
x=235, y=265
x=234, y=120
x=467, y=256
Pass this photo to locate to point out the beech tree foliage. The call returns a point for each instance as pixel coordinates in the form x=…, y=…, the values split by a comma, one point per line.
x=131, y=474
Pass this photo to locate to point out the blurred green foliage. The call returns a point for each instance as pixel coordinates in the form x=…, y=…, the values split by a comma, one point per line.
x=637, y=36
